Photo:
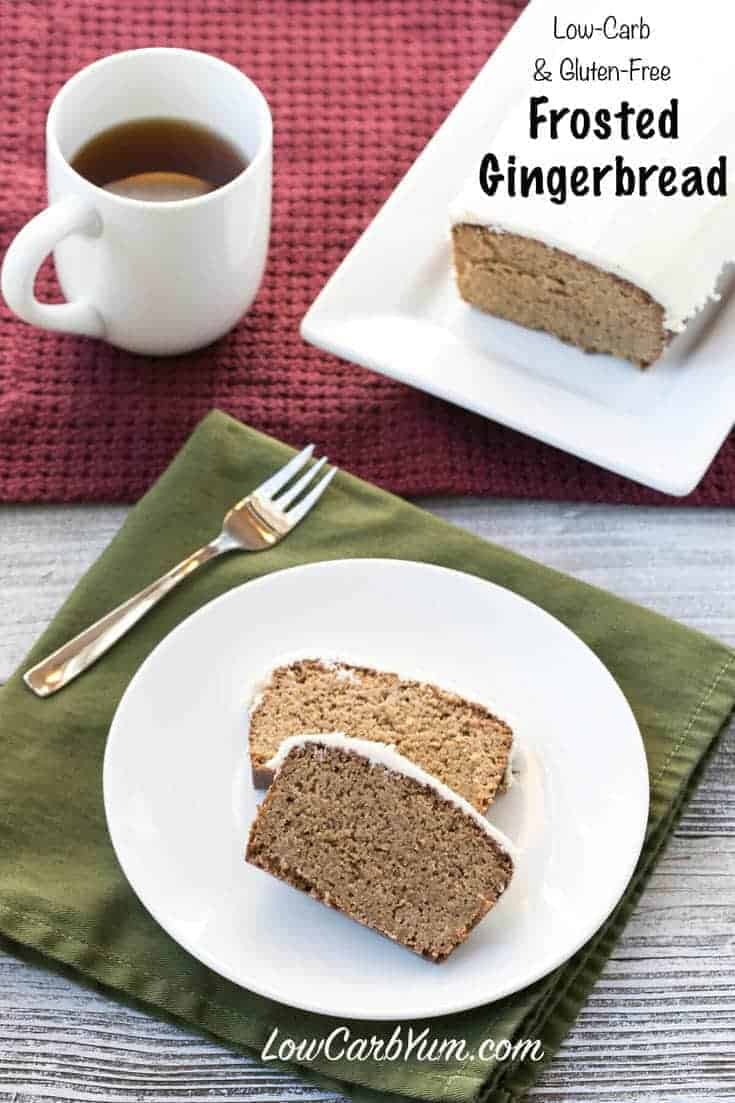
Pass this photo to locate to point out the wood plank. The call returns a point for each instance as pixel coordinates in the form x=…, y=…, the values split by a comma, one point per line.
x=659, y=1026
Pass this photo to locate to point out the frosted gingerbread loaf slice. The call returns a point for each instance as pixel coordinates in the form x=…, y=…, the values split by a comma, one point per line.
x=536, y=285
x=610, y=275
x=458, y=741
x=599, y=210
x=357, y=826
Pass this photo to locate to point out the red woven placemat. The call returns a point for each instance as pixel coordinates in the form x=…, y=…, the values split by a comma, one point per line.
x=356, y=87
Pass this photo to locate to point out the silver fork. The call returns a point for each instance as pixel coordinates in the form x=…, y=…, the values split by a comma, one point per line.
x=257, y=522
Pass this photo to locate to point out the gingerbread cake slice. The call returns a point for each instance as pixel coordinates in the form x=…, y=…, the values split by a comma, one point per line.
x=362, y=829
x=527, y=281
x=458, y=741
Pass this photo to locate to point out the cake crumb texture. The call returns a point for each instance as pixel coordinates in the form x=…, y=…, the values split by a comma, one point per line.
x=541, y=287
x=378, y=846
x=460, y=742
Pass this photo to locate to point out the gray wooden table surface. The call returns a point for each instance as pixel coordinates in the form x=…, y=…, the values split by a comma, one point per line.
x=660, y=1025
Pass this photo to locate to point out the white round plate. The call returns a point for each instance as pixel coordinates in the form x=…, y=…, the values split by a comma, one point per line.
x=179, y=799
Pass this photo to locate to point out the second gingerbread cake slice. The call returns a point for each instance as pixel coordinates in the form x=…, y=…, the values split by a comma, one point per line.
x=360, y=828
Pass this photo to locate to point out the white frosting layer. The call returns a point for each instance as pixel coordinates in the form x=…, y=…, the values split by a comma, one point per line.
x=674, y=248
x=380, y=754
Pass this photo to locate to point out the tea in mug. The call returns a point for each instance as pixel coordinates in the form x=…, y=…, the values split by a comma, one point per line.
x=159, y=160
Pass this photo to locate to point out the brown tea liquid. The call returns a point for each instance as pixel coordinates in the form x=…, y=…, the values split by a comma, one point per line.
x=159, y=160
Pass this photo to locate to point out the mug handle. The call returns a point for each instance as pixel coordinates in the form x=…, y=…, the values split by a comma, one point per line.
x=27, y=252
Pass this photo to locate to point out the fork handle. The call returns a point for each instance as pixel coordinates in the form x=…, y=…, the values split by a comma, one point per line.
x=65, y=664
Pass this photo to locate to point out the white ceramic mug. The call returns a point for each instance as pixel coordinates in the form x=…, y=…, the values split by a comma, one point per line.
x=155, y=278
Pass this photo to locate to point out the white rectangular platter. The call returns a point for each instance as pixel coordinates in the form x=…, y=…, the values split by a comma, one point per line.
x=392, y=306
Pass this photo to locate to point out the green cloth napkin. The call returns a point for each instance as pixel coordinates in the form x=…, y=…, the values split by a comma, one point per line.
x=61, y=890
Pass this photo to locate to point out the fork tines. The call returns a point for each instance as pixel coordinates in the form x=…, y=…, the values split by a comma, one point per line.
x=280, y=481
